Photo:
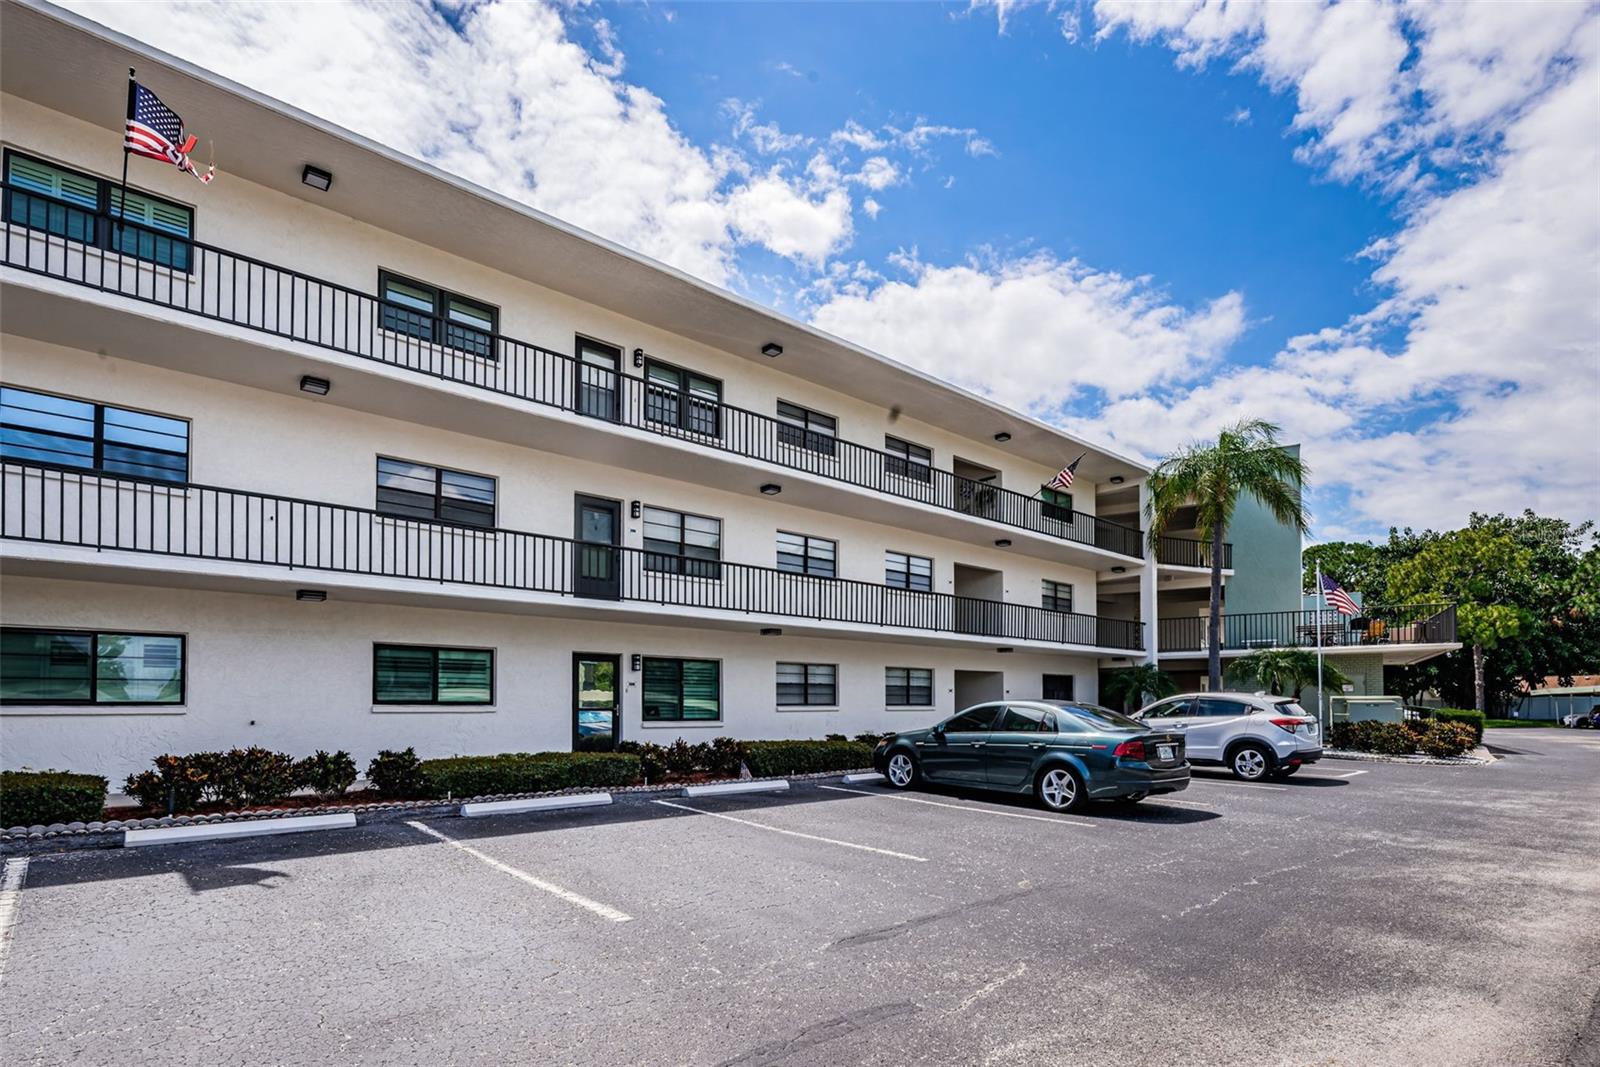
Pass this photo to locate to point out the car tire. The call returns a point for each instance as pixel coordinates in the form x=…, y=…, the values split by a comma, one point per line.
x=1060, y=788
x=1250, y=763
x=901, y=770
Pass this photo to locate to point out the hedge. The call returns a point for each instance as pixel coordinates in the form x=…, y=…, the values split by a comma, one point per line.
x=1469, y=716
x=527, y=772
x=39, y=798
x=772, y=759
x=1369, y=735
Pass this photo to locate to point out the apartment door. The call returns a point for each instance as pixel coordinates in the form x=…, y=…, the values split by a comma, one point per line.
x=597, y=559
x=599, y=367
x=978, y=595
x=596, y=703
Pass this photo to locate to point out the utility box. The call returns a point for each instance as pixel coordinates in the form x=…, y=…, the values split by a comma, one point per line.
x=1367, y=709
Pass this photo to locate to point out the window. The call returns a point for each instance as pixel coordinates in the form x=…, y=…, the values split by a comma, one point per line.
x=908, y=687
x=808, y=685
x=677, y=397
x=597, y=378
x=90, y=667
x=676, y=543
x=417, y=491
x=60, y=432
x=804, y=428
x=1057, y=505
x=908, y=460
x=803, y=554
x=81, y=207
x=1217, y=708
x=1057, y=596
x=414, y=674
x=682, y=690
x=1021, y=719
x=901, y=571
x=429, y=313
x=1058, y=687
x=1171, y=709
x=974, y=720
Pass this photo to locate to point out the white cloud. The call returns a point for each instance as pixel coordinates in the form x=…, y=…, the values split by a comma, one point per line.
x=770, y=212
x=878, y=173
x=858, y=136
x=767, y=138
x=871, y=207
x=1240, y=116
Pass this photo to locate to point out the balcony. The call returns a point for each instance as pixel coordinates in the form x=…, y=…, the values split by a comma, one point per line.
x=1380, y=629
x=1187, y=552
x=56, y=239
x=107, y=513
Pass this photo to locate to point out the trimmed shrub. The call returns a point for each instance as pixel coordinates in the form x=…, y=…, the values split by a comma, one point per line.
x=252, y=776
x=183, y=780
x=35, y=798
x=652, y=759
x=1445, y=739
x=727, y=755
x=683, y=758
x=528, y=772
x=1469, y=716
x=872, y=737
x=1384, y=738
x=771, y=759
x=325, y=775
x=397, y=774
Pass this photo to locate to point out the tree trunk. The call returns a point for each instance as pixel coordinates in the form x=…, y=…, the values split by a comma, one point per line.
x=1214, y=623
x=1477, y=678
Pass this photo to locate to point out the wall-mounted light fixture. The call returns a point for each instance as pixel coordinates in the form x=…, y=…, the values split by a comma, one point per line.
x=771, y=631
x=635, y=661
x=314, y=386
x=772, y=350
x=1004, y=542
x=317, y=178
x=1119, y=570
x=638, y=357
x=1116, y=479
x=1002, y=437
x=316, y=596
x=771, y=489
x=633, y=510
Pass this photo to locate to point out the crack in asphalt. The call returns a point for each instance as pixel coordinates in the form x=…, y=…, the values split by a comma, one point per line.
x=821, y=1033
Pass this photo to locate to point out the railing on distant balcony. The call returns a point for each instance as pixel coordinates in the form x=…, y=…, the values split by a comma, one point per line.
x=58, y=239
x=1187, y=552
x=69, y=507
x=1402, y=624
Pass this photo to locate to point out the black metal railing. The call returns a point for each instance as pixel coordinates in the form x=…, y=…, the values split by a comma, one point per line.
x=104, y=512
x=1187, y=552
x=1401, y=624
x=44, y=237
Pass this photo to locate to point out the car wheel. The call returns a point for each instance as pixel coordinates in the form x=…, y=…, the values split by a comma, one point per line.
x=901, y=771
x=1250, y=763
x=1060, y=789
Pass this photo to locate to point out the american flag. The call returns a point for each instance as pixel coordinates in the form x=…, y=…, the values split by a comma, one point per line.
x=1335, y=597
x=155, y=130
x=1063, y=478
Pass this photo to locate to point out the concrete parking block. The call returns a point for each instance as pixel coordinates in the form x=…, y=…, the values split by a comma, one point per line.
x=218, y=831
x=512, y=807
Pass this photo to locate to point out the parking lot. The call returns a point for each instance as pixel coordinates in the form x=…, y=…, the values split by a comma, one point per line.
x=1355, y=914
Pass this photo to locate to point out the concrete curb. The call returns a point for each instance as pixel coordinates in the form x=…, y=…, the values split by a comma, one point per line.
x=479, y=809
x=173, y=835
x=1413, y=761
x=770, y=785
x=860, y=779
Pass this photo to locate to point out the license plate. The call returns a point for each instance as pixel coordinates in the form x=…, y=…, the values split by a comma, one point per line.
x=1166, y=752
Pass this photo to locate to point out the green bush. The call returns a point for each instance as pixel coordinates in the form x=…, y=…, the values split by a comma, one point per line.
x=772, y=759
x=183, y=780
x=872, y=737
x=397, y=774
x=727, y=755
x=1469, y=716
x=683, y=758
x=34, y=798
x=251, y=776
x=325, y=775
x=528, y=772
x=652, y=759
x=1445, y=739
x=1384, y=738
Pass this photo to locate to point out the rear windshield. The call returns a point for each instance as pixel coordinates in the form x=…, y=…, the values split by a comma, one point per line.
x=1102, y=717
x=1289, y=707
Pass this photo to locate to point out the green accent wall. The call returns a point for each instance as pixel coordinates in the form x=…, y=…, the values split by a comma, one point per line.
x=1266, y=560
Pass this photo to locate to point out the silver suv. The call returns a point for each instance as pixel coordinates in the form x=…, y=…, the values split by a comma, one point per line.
x=1254, y=736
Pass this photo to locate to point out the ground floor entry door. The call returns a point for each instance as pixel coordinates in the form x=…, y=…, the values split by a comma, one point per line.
x=596, y=701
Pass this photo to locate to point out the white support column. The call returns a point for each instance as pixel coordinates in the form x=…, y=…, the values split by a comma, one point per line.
x=1147, y=589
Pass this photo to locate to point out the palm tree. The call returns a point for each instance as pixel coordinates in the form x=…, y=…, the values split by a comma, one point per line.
x=1134, y=687
x=1283, y=670
x=1246, y=460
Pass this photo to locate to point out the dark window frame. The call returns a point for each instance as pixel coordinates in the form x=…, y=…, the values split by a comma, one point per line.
x=687, y=402
x=907, y=689
x=1055, y=503
x=678, y=662
x=679, y=562
x=597, y=389
x=1044, y=685
x=434, y=651
x=802, y=434
x=98, y=441
x=806, y=558
x=807, y=700
x=903, y=460
x=438, y=319
x=909, y=582
x=93, y=699
x=105, y=224
x=438, y=494
x=1050, y=595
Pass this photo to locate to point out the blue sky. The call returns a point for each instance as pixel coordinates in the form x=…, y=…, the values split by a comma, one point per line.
x=1375, y=223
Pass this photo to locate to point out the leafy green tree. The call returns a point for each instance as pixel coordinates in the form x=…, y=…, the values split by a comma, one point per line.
x=1283, y=670
x=1134, y=687
x=1247, y=460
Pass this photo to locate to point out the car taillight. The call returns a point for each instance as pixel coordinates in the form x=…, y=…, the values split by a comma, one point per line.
x=1130, y=749
x=1288, y=724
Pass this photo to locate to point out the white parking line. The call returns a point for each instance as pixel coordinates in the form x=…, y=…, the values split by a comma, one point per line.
x=1349, y=774
x=1185, y=803
x=1241, y=785
x=962, y=807
x=16, y=870
x=603, y=910
x=794, y=833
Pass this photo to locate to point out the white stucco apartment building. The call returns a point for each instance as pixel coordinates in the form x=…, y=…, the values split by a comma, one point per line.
x=341, y=451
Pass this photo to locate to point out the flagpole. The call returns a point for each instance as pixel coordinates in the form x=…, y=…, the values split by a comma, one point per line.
x=1326, y=720
x=122, y=201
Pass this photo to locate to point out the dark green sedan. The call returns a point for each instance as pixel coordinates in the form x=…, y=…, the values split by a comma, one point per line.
x=1063, y=752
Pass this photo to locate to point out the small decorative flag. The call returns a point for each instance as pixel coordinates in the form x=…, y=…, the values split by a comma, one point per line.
x=154, y=130
x=1063, y=478
x=1335, y=597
